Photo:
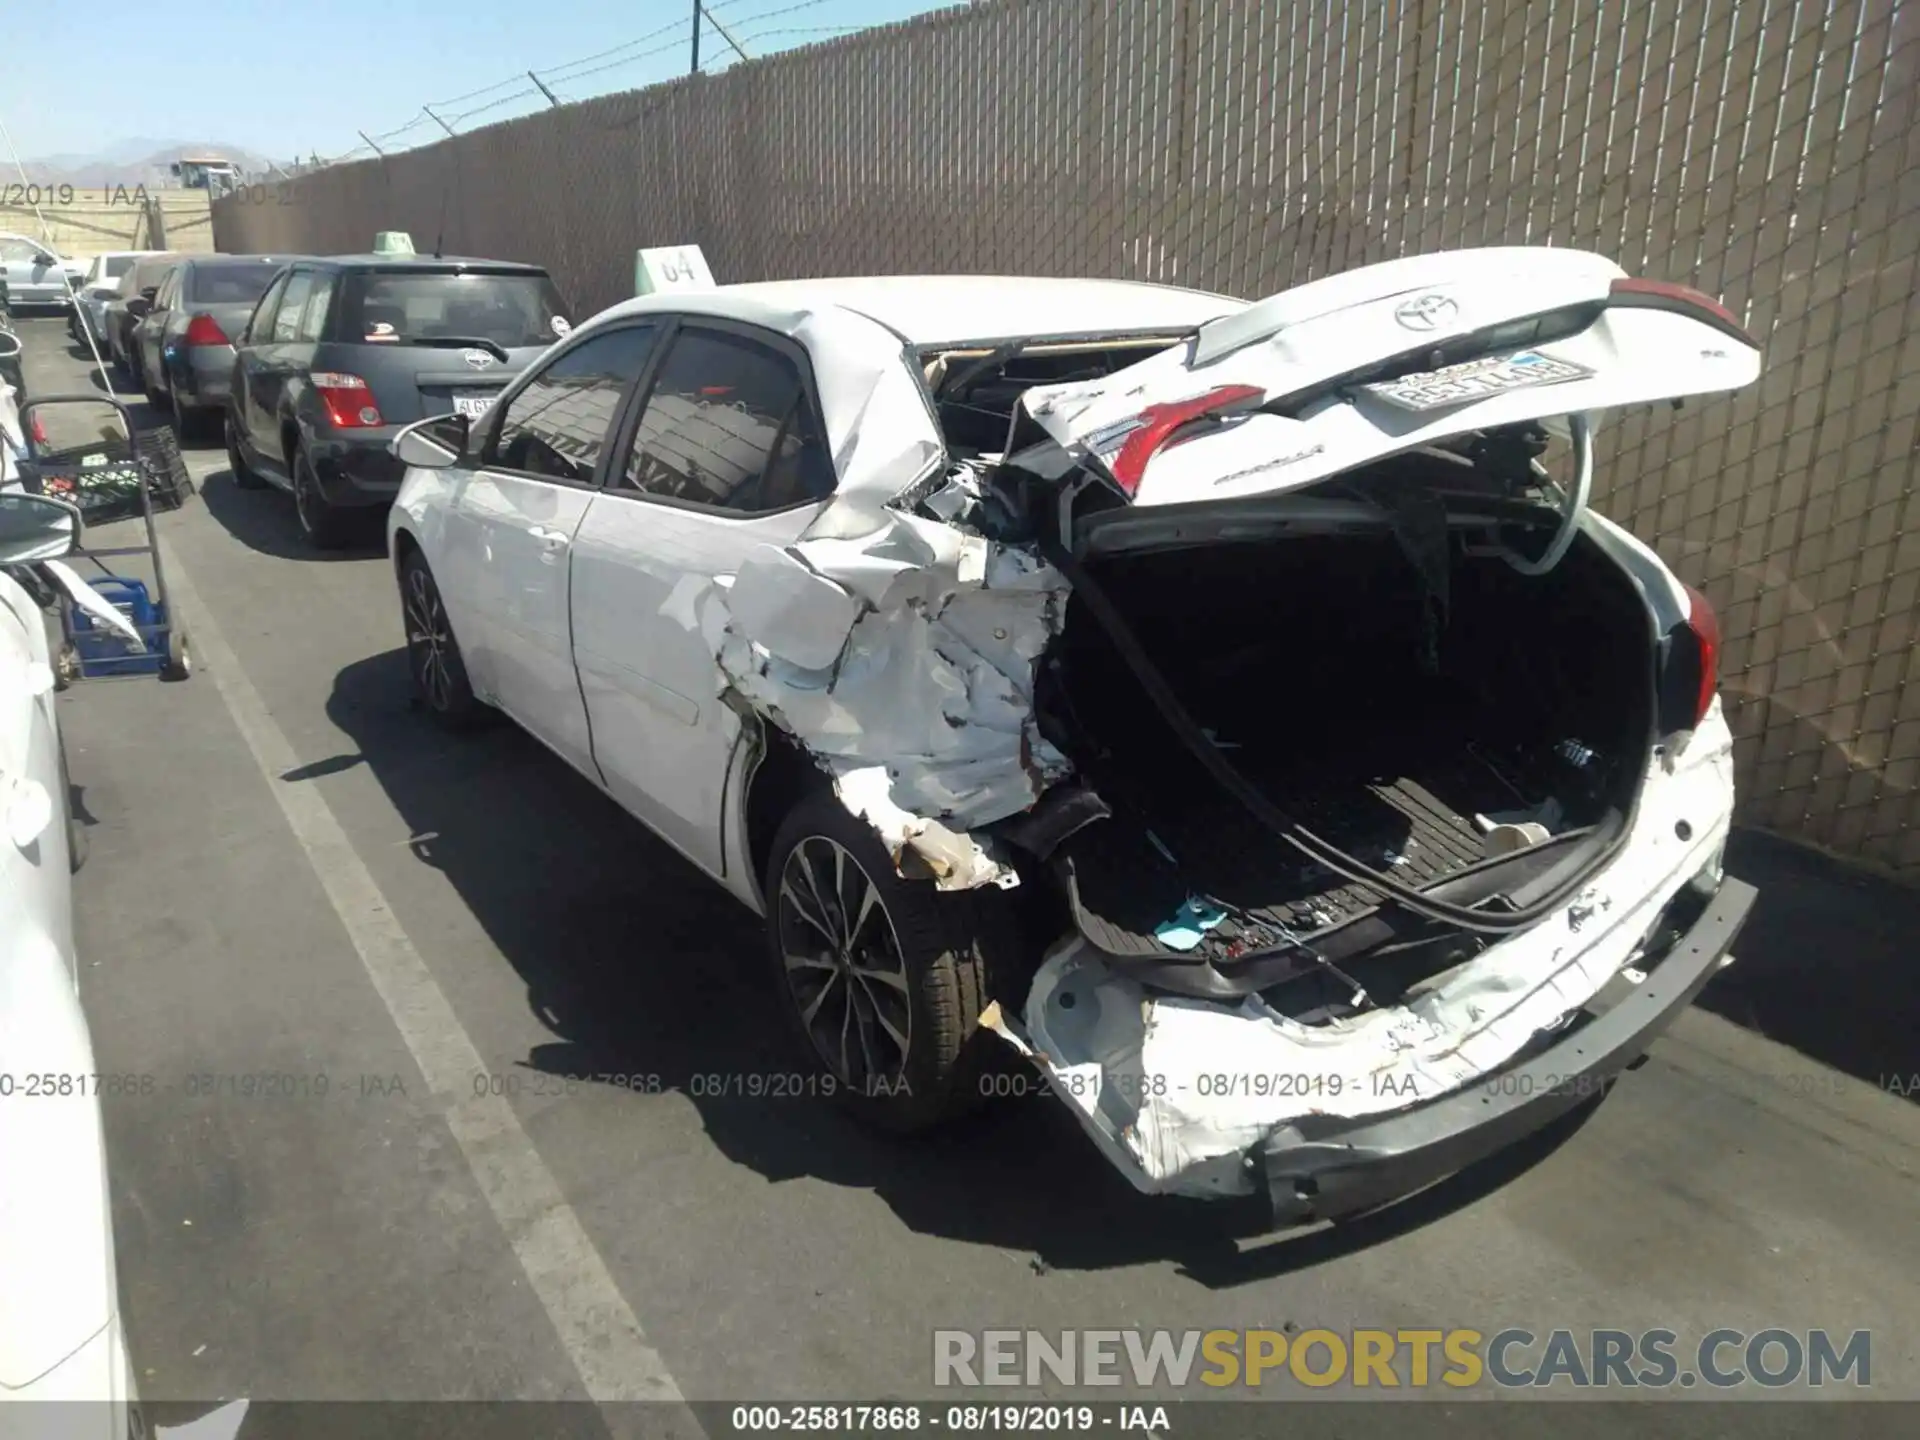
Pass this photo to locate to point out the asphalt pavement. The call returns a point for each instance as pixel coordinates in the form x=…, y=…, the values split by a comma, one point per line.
x=293, y=875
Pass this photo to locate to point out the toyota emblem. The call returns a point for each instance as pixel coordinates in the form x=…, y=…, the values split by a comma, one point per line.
x=480, y=359
x=1425, y=312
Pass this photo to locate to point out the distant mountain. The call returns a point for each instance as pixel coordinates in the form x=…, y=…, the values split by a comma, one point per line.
x=138, y=161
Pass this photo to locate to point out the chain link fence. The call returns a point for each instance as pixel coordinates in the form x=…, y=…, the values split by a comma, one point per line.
x=1767, y=151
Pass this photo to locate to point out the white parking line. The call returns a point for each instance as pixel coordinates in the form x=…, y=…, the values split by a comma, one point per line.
x=596, y=1326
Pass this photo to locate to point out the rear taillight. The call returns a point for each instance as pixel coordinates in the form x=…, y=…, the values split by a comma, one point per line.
x=1690, y=670
x=1660, y=295
x=205, y=330
x=1705, y=626
x=37, y=430
x=1156, y=425
x=348, y=400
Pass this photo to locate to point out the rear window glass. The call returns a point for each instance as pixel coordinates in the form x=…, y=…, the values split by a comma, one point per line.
x=144, y=273
x=397, y=308
x=118, y=265
x=229, y=284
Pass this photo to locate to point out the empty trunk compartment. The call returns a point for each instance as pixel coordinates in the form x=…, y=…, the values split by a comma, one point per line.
x=1400, y=719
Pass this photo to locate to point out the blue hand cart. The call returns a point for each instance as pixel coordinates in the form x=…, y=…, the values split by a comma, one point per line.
x=115, y=478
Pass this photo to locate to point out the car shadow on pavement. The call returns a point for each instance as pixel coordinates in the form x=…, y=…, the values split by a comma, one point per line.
x=112, y=384
x=1825, y=962
x=264, y=520
x=642, y=967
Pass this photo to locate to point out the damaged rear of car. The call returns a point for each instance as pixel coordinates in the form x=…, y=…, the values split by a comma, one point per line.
x=1292, y=764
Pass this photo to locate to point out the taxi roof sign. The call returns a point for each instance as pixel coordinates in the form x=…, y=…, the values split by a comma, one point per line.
x=393, y=242
x=670, y=267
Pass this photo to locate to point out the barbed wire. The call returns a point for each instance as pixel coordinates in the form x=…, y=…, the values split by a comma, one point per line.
x=554, y=85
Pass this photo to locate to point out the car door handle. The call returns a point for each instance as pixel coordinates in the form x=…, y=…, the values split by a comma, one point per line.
x=552, y=539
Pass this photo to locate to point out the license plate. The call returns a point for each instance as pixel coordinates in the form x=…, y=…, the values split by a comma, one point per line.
x=473, y=406
x=1476, y=380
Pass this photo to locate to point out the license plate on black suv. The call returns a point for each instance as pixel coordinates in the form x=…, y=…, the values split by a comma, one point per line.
x=474, y=406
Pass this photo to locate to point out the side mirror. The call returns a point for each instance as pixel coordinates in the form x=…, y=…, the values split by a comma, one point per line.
x=431, y=444
x=138, y=306
x=148, y=292
x=36, y=527
x=45, y=260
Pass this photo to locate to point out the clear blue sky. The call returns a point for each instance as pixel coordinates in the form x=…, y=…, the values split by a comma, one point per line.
x=283, y=82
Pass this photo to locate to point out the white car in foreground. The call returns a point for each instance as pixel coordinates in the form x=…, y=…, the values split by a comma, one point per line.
x=1236, y=708
x=60, y=1330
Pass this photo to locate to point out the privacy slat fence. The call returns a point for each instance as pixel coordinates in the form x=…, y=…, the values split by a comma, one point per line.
x=1764, y=150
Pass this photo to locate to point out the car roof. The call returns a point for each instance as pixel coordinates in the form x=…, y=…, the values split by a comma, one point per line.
x=238, y=259
x=422, y=262
x=944, y=309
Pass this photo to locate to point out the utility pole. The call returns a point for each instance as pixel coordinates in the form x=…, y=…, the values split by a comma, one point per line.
x=694, y=68
x=551, y=97
x=437, y=120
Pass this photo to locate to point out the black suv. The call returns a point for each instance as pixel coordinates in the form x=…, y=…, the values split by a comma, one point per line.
x=342, y=352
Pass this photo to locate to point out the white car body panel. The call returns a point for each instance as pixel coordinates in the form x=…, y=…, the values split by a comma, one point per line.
x=899, y=650
x=96, y=288
x=28, y=281
x=663, y=736
x=59, y=1328
x=506, y=559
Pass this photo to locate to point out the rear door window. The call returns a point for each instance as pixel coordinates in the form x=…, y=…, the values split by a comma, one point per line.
x=313, y=315
x=293, y=301
x=261, y=326
x=401, y=307
x=560, y=420
x=730, y=423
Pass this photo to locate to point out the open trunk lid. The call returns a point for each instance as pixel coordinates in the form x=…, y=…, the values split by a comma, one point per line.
x=1358, y=366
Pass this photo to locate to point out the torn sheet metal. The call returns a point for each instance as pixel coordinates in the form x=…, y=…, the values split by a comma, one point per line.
x=1176, y=1090
x=903, y=661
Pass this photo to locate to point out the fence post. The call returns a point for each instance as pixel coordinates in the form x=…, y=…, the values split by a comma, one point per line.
x=156, y=224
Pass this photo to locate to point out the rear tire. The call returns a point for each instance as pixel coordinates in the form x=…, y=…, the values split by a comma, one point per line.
x=187, y=423
x=433, y=653
x=327, y=527
x=882, y=979
x=243, y=476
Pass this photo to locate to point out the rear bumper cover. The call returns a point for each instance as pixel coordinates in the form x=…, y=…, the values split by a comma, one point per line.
x=359, y=470
x=203, y=376
x=1341, y=1168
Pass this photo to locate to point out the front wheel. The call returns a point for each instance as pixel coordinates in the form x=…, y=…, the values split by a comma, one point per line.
x=882, y=978
x=433, y=654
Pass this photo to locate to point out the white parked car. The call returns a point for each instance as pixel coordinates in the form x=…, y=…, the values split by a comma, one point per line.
x=1236, y=708
x=35, y=274
x=60, y=1327
x=99, y=285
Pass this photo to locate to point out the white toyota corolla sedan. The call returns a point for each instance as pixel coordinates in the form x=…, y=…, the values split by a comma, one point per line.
x=60, y=1328
x=1235, y=708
